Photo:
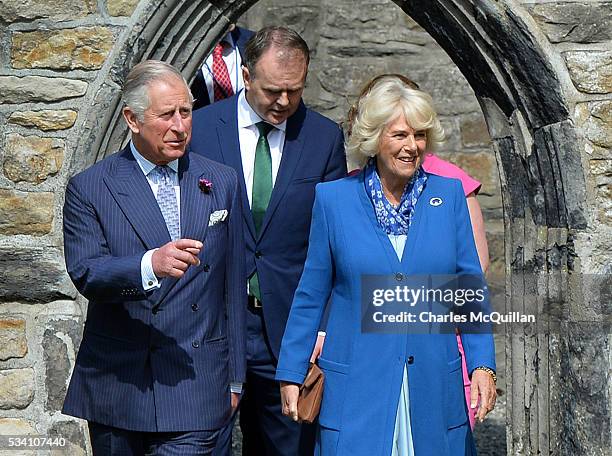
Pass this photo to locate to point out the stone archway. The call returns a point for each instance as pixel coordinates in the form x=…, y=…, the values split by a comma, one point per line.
x=523, y=94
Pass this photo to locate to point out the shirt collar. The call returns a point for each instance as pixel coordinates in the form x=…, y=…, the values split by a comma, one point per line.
x=145, y=165
x=247, y=115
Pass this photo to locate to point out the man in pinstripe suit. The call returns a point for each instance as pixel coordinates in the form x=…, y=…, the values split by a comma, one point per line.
x=153, y=238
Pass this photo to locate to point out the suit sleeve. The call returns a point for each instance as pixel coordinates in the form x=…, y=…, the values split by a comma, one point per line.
x=310, y=300
x=336, y=169
x=478, y=345
x=94, y=271
x=336, y=165
x=236, y=290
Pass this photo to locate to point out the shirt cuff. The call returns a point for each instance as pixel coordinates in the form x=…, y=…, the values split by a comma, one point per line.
x=149, y=281
x=321, y=333
x=236, y=388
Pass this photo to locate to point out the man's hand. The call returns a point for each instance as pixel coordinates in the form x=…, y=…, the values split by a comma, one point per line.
x=483, y=386
x=318, y=348
x=235, y=398
x=289, y=399
x=173, y=258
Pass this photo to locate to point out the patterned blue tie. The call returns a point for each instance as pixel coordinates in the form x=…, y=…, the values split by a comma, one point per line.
x=166, y=198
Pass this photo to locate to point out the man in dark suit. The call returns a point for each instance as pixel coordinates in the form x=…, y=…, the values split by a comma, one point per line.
x=221, y=75
x=280, y=150
x=153, y=238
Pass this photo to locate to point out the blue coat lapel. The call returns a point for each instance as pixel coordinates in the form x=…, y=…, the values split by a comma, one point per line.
x=382, y=237
x=132, y=192
x=292, y=150
x=229, y=145
x=413, y=233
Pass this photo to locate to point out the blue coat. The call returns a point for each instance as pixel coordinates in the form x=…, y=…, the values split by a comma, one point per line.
x=363, y=371
x=160, y=360
x=313, y=153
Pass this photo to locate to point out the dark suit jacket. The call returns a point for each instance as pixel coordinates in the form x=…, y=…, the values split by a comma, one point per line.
x=198, y=86
x=313, y=153
x=161, y=360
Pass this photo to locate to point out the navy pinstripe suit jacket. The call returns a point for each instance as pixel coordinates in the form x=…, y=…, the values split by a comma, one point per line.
x=162, y=360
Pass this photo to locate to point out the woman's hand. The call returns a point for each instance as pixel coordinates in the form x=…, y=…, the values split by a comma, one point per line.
x=483, y=386
x=289, y=399
x=318, y=348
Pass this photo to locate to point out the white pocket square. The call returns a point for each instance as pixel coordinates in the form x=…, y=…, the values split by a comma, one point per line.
x=217, y=216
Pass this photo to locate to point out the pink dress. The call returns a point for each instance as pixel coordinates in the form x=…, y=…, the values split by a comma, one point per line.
x=439, y=167
x=435, y=165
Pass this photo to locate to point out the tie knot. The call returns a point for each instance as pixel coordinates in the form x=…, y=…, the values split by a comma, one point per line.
x=264, y=128
x=218, y=50
x=162, y=172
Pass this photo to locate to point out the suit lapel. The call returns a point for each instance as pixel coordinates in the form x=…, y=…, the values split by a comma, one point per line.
x=195, y=204
x=199, y=91
x=195, y=212
x=130, y=189
x=229, y=145
x=241, y=37
x=292, y=150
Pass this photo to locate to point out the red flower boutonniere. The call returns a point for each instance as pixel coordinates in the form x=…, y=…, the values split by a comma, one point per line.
x=205, y=185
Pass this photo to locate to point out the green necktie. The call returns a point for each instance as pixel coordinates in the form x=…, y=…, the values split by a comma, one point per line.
x=262, y=189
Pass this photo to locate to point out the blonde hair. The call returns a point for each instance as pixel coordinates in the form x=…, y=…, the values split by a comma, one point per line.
x=382, y=101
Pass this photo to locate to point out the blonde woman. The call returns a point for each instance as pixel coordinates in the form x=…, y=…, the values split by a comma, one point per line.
x=386, y=394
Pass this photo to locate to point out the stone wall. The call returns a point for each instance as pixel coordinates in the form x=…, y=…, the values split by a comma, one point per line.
x=55, y=58
x=50, y=53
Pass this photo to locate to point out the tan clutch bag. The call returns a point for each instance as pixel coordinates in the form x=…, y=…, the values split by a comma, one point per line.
x=311, y=393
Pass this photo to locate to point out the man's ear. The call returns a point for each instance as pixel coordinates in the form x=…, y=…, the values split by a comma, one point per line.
x=131, y=119
x=246, y=77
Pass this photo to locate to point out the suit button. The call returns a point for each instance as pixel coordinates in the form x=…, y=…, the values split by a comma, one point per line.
x=194, y=307
x=258, y=254
x=155, y=310
x=410, y=359
x=195, y=344
x=399, y=276
x=206, y=267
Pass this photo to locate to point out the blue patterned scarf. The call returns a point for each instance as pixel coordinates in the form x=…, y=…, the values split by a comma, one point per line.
x=394, y=220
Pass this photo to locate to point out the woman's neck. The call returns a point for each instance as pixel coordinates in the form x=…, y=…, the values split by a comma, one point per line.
x=393, y=189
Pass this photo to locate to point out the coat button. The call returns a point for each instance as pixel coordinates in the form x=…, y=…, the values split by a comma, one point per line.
x=155, y=310
x=410, y=359
x=206, y=267
x=258, y=254
x=194, y=307
x=399, y=276
x=195, y=344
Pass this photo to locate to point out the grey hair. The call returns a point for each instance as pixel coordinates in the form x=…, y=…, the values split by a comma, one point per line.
x=136, y=86
x=387, y=99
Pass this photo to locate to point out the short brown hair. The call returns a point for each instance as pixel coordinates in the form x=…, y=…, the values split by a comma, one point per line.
x=267, y=37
